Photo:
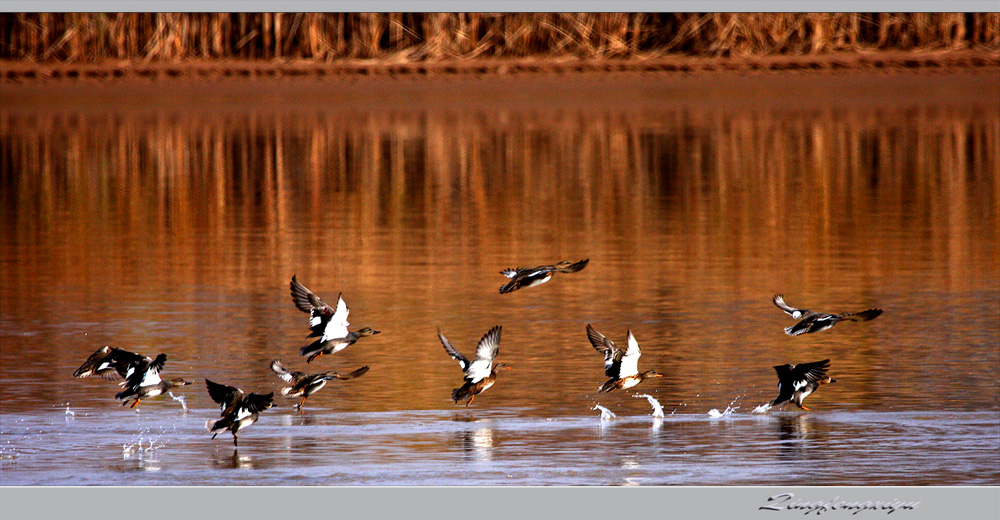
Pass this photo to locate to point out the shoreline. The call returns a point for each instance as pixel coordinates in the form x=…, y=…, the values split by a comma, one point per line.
x=889, y=62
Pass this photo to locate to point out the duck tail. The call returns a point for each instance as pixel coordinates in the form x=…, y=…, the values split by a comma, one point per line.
x=285, y=390
x=572, y=268
x=312, y=348
x=458, y=394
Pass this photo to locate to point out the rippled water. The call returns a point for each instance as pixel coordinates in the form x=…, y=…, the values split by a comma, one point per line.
x=174, y=224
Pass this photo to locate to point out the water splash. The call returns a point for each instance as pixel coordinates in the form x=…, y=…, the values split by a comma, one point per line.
x=141, y=451
x=180, y=399
x=70, y=414
x=657, y=409
x=715, y=413
x=606, y=415
x=762, y=408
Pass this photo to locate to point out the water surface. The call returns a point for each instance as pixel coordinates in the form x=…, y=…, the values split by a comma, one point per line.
x=173, y=219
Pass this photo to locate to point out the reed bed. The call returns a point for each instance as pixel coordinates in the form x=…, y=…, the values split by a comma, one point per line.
x=410, y=37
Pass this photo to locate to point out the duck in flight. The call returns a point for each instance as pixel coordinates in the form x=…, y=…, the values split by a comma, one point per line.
x=239, y=410
x=329, y=325
x=480, y=373
x=531, y=276
x=796, y=382
x=144, y=381
x=111, y=363
x=810, y=321
x=621, y=366
x=304, y=385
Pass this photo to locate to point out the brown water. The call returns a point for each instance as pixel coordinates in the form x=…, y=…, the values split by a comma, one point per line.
x=170, y=218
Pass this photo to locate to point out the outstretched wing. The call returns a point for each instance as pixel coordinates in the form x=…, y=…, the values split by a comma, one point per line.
x=305, y=300
x=351, y=375
x=612, y=354
x=486, y=351
x=865, y=315
x=792, y=378
x=285, y=374
x=255, y=403
x=453, y=352
x=224, y=395
x=335, y=326
x=109, y=362
x=630, y=359
x=779, y=300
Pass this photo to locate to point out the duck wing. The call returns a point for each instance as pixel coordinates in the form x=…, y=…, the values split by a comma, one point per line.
x=126, y=362
x=453, y=352
x=351, y=375
x=486, y=351
x=254, y=403
x=779, y=300
x=285, y=374
x=323, y=320
x=110, y=362
x=145, y=373
x=630, y=359
x=224, y=395
x=798, y=376
x=304, y=299
x=865, y=315
x=612, y=354
x=333, y=326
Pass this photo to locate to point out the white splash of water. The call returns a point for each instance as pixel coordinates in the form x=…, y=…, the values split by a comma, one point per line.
x=715, y=413
x=762, y=408
x=138, y=449
x=179, y=398
x=606, y=415
x=70, y=414
x=657, y=409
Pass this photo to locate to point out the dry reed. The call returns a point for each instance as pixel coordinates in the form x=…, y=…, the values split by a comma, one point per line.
x=325, y=37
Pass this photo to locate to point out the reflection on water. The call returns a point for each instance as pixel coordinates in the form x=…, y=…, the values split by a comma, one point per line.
x=178, y=231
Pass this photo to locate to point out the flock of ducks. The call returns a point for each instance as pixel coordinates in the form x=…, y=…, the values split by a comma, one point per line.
x=141, y=374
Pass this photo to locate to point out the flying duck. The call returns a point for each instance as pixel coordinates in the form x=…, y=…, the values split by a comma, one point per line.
x=239, y=409
x=810, y=321
x=621, y=367
x=111, y=363
x=480, y=373
x=796, y=382
x=326, y=323
x=304, y=385
x=532, y=276
x=144, y=381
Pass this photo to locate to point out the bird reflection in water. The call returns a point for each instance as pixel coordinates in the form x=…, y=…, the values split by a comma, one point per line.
x=793, y=435
x=632, y=469
x=233, y=462
x=476, y=443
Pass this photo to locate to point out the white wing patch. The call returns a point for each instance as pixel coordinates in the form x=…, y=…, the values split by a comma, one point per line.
x=630, y=360
x=336, y=328
x=242, y=413
x=151, y=377
x=509, y=273
x=479, y=369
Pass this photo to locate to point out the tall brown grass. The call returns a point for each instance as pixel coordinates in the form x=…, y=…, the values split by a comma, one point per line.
x=324, y=37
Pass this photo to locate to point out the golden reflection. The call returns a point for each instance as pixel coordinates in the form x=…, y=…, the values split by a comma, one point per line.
x=412, y=213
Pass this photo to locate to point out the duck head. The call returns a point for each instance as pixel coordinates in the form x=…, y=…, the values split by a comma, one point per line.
x=368, y=331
